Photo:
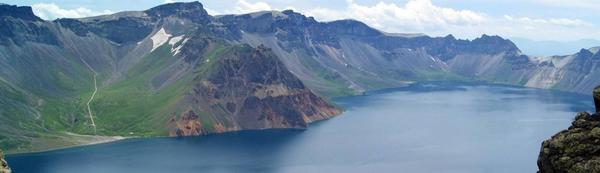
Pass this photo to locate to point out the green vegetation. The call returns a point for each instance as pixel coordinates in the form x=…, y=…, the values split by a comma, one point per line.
x=133, y=104
x=140, y=103
x=136, y=105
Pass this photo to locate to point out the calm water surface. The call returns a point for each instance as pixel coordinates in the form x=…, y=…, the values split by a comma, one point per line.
x=433, y=127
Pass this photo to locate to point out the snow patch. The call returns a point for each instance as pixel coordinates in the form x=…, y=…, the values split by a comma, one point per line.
x=176, y=50
x=174, y=40
x=159, y=38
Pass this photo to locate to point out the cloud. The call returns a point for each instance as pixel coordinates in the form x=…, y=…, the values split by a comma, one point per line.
x=414, y=16
x=581, y=4
x=169, y=1
x=560, y=29
x=566, y=22
x=422, y=16
x=243, y=6
x=53, y=11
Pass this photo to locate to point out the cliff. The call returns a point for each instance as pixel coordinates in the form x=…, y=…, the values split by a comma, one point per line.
x=176, y=70
x=252, y=89
x=164, y=71
x=576, y=149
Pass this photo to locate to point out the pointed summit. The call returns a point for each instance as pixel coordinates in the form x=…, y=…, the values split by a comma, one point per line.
x=584, y=53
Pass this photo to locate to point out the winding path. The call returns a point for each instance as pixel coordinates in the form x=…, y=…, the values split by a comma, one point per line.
x=93, y=94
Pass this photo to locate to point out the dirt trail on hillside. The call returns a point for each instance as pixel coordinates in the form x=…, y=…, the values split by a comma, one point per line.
x=93, y=94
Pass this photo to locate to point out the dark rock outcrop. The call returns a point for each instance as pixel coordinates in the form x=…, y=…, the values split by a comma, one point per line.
x=193, y=11
x=22, y=12
x=597, y=98
x=576, y=149
x=3, y=165
x=19, y=25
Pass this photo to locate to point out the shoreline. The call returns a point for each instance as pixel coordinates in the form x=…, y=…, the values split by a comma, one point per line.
x=111, y=139
x=96, y=140
x=80, y=141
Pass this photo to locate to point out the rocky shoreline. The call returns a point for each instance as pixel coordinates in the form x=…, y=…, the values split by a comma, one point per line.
x=576, y=149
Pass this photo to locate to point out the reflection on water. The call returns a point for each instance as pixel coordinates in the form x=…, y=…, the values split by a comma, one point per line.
x=432, y=127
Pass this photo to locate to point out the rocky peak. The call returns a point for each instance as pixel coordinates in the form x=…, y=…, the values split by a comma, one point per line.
x=189, y=10
x=494, y=44
x=495, y=40
x=22, y=12
x=450, y=37
x=584, y=53
x=19, y=25
x=298, y=17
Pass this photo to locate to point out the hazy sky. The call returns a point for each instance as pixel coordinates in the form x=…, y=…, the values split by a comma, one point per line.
x=559, y=20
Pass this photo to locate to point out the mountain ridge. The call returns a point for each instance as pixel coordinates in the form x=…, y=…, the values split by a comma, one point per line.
x=156, y=71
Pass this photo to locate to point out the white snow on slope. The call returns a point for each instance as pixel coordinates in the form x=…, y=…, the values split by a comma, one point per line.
x=174, y=40
x=159, y=38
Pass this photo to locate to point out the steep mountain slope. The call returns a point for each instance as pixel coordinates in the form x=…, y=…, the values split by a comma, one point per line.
x=150, y=66
x=175, y=70
x=347, y=56
x=578, y=72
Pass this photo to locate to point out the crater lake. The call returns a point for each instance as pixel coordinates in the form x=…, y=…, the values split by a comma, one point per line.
x=424, y=127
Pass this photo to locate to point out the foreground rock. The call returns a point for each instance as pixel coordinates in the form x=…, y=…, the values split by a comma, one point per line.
x=3, y=165
x=576, y=149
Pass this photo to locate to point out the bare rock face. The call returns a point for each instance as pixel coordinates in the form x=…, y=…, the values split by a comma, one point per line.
x=257, y=90
x=3, y=165
x=247, y=88
x=576, y=149
x=188, y=124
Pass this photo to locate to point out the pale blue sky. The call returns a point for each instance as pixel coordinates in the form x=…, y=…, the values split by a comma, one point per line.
x=558, y=20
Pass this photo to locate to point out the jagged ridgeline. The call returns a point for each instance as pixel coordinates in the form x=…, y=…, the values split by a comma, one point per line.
x=176, y=70
x=160, y=72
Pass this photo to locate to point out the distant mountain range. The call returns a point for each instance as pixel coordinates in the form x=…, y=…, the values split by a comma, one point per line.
x=550, y=48
x=175, y=70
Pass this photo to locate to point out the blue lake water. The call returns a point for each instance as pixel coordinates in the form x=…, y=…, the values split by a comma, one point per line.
x=432, y=127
